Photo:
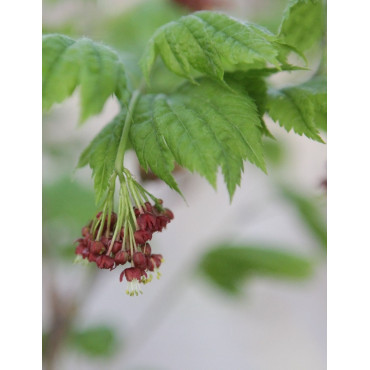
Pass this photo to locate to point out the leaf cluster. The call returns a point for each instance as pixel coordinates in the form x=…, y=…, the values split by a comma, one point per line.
x=213, y=119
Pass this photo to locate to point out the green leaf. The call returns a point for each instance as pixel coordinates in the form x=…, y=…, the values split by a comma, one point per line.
x=101, y=154
x=150, y=146
x=301, y=108
x=253, y=84
x=94, y=67
x=310, y=214
x=122, y=31
x=316, y=89
x=274, y=151
x=201, y=127
x=210, y=43
x=303, y=23
x=66, y=207
x=229, y=266
x=95, y=341
x=67, y=201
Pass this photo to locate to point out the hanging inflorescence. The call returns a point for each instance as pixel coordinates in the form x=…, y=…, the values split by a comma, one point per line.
x=112, y=239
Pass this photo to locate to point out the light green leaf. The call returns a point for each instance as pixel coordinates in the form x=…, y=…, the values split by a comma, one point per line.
x=101, y=154
x=201, y=127
x=229, y=266
x=301, y=108
x=121, y=30
x=95, y=341
x=210, y=43
x=66, y=207
x=253, y=84
x=67, y=202
x=94, y=67
x=149, y=144
x=310, y=213
x=303, y=23
x=316, y=89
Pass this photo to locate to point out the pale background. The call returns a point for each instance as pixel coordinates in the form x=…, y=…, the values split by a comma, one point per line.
x=181, y=322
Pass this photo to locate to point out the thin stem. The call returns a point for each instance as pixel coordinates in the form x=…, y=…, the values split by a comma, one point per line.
x=134, y=195
x=118, y=224
x=102, y=222
x=126, y=129
x=156, y=200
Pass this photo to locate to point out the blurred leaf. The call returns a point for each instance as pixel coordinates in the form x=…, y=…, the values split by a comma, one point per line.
x=303, y=23
x=45, y=340
x=131, y=30
x=273, y=151
x=310, y=214
x=94, y=341
x=67, y=206
x=269, y=15
x=229, y=266
x=68, y=202
x=66, y=252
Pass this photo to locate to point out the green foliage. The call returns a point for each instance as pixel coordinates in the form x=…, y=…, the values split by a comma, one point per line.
x=301, y=108
x=229, y=266
x=66, y=206
x=68, y=63
x=274, y=151
x=310, y=214
x=66, y=201
x=101, y=155
x=201, y=127
x=99, y=341
x=214, y=120
x=210, y=43
x=303, y=23
x=123, y=32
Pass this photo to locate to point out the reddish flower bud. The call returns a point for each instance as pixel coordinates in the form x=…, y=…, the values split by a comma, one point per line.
x=97, y=247
x=147, y=250
x=131, y=273
x=105, y=262
x=139, y=260
x=85, y=231
x=113, y=220
x=121, y=257
x=117, y=246
x=148, y=207
x=80, y=248
x=85, y=252
x=92, y=257
x=168, y=213
x=106, y=241
x=146, y=221
x=154, y=261
x=162, y=222
x=141, y=236
x=122, y=233
x=158, y=258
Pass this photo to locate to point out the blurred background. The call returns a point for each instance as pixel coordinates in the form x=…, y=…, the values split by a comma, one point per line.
x=243, y=285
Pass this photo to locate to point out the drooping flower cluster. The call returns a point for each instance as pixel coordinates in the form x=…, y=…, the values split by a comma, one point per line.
x=111, y=240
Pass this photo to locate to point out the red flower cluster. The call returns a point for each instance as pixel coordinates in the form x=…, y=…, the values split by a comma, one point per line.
x=108, y=253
